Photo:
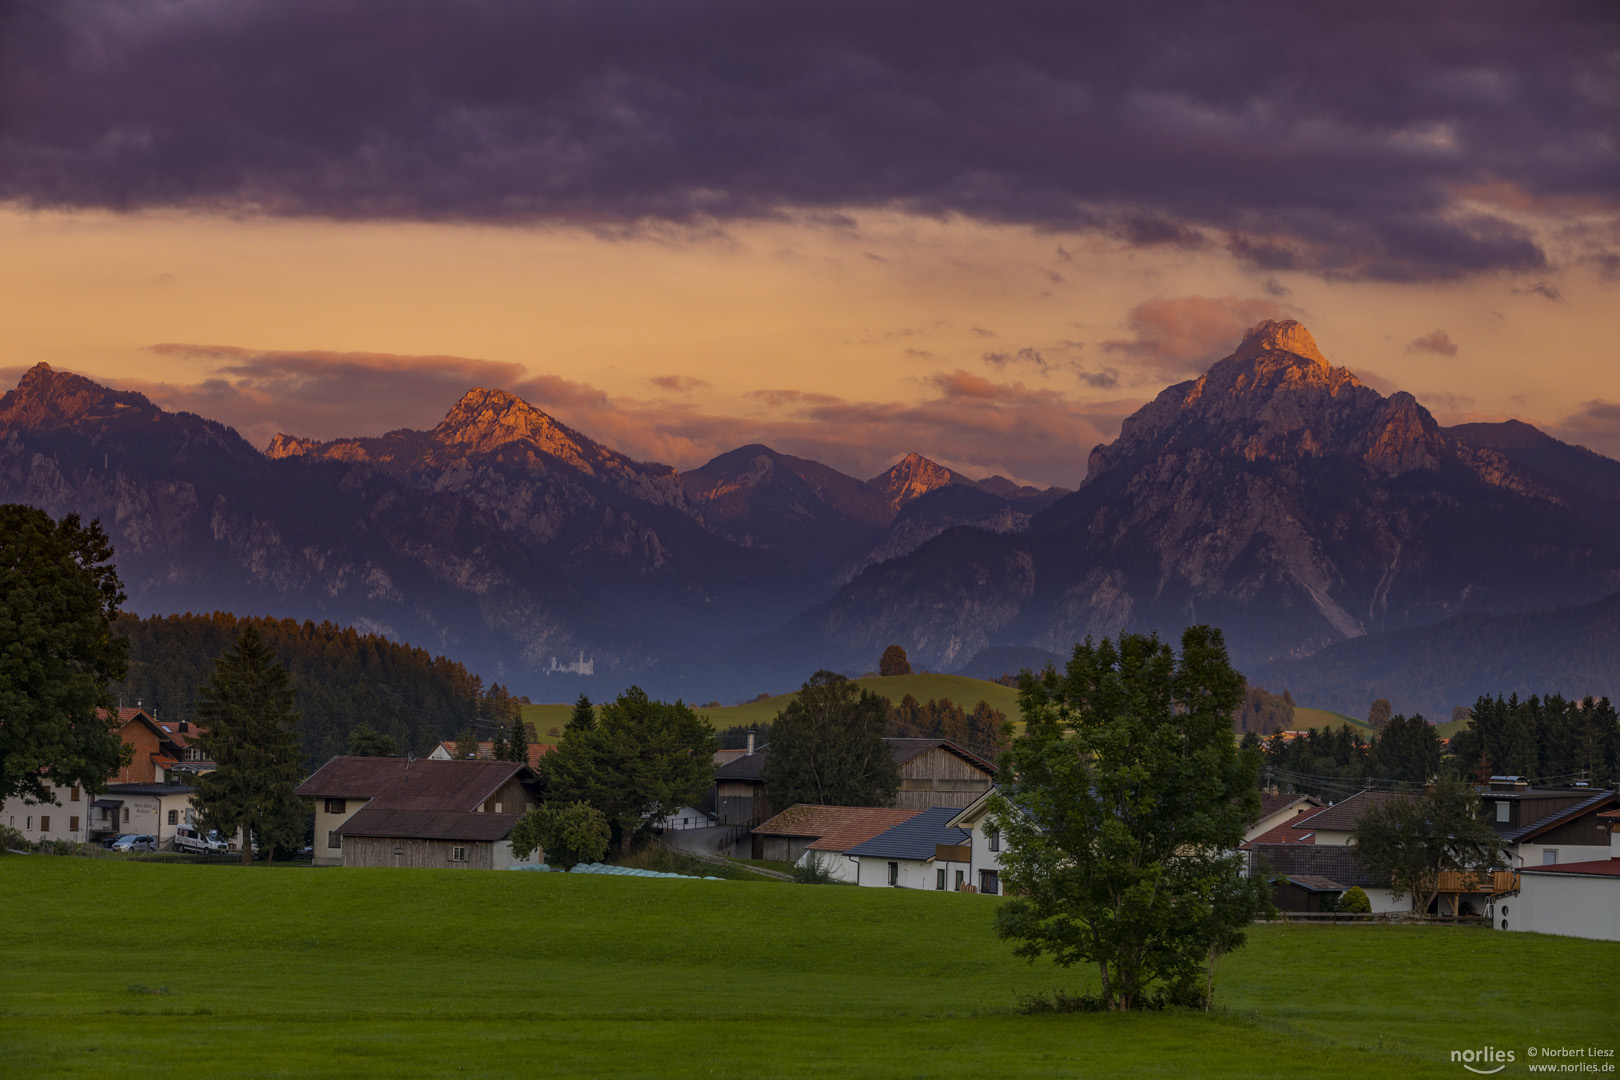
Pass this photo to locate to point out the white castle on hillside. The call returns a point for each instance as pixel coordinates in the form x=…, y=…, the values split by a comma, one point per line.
x=581, y=666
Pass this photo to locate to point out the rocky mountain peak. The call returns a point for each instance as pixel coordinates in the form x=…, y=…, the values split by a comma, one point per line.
x=1285, y=335
x=485, y=420
x=45, y=398
x=1277, y=398
x=912, y=476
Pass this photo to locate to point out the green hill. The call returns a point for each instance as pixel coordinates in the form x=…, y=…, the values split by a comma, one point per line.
x=966, y=692
x=353, y=974
x=1306, y=719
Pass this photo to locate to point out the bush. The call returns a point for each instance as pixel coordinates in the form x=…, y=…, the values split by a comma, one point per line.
x=1355, y=902
x=814, y=870
x=567, y=834
x=13, y=840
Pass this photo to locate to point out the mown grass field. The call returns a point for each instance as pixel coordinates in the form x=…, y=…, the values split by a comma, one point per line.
x=399, y=973
x=1308, y=719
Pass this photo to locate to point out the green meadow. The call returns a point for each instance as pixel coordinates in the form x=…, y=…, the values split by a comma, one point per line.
x=141, y=970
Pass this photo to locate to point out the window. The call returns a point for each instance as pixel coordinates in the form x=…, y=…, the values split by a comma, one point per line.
x=337, y=806
x=30, y=823
x=992, y=837
x=939, y=879
x=894, y=873
x=45, y=824
x=126, y=815
x=961, y=877
x=73, y=824
x=1502, y=810
x=458, y=854
x=1549, y=856
x=174, y=817
x=73, y=794
x=333, y=840
x=989, y=882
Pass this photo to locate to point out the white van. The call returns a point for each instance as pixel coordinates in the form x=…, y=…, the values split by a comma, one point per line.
x=187, y=838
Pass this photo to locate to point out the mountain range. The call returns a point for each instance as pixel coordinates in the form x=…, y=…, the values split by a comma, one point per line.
x=1276, y=496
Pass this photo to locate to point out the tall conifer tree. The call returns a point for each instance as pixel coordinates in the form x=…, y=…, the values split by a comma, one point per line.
x=249, y=728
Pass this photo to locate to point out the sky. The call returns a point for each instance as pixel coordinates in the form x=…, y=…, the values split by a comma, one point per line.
x=984, y=233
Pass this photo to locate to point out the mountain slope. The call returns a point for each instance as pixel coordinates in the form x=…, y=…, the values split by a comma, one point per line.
x=807, y=512
x=201, y=521
x=1429, y=669
x=1275, y=496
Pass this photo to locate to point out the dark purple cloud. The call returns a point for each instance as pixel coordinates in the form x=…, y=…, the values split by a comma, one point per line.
x=1174, y=338
x=1329, y=139
x=1596, y=426
x=1436, y=341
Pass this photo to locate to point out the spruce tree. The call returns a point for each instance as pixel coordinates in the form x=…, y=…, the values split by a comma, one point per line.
x=518, y=748
x=584, y=717
x=249, y=729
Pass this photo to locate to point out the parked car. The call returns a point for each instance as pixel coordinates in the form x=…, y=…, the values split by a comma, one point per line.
x=135, y=842
x=187, y=838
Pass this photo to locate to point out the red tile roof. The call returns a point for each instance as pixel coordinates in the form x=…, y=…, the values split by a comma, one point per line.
x=1595, y=868
x=1294, y=831
x=836, y=828
x=398, y=784
x=1271, y=804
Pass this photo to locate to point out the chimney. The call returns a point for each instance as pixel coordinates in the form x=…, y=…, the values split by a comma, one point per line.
x=185, y=726
x=750, y=742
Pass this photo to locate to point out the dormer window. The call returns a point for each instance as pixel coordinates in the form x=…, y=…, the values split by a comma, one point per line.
x=1503, y=810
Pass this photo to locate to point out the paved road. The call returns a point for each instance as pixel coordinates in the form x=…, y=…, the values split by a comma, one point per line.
x=697, y=841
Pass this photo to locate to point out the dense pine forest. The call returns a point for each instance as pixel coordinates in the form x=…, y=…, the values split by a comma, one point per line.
x=1549, y=740
x=343, y=679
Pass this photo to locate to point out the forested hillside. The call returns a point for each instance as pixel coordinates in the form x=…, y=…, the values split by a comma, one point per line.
x=343, y=678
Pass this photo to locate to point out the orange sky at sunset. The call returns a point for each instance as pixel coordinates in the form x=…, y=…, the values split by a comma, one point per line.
x=678, y=333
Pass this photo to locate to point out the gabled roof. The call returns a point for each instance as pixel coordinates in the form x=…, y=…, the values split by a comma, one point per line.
x=915, y=838
x=906, y=749
x=1343, y=816
x=400, y=784
x=1272, y=804
x=1558, y=817
x=149, y=789
x=747, y=767
x=1294, y=831
x=427, y=824
x=835, y=828
x=752, y=766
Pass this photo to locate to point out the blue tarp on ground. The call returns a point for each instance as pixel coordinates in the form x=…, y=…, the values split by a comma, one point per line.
x=617, y=871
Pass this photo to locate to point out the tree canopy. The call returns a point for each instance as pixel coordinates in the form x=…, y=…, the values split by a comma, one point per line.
x=568, y=834
x=249, y=728
x=894, y=662
x=1409, y=839
x=1126, y=801
x=59, y=595
x=366, y=741
x=827, y=747
x=641, y=761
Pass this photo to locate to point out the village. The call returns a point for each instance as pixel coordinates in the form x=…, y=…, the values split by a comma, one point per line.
x=1560, y=871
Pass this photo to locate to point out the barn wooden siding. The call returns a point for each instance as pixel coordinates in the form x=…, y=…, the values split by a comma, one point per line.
x=429, y=854
x=939, y=778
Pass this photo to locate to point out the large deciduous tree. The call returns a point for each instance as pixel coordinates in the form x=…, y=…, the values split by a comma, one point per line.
x=1409, y=840
x=250, y=730
x=59, y=593
x=827, y=747
x=1126, y=799
x=643, y=760
x=894, y=661
x=567, y=833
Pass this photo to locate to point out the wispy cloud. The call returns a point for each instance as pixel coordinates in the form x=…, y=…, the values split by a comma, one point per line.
x=1435, y=341
x=1177, y=337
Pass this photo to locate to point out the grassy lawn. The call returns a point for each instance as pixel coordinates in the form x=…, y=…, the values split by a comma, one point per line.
x=1308, y=719
x=399, y=973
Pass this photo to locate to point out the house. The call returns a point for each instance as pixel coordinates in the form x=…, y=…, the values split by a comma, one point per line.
x=978, y=862
x=905, y=856
x=152, y=809
x=1278, y=809
x=446, y=751
x=1548, y=826
x=1573, y=899
x=1310, y=855
x=159, y=754
x=804, y=832
x=384, y=811
x=933, y=772
x=1333, y=824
